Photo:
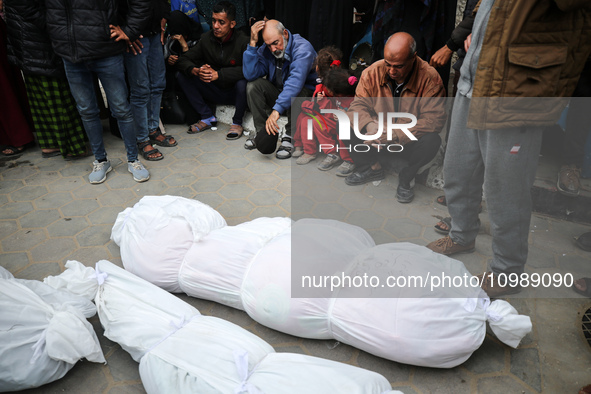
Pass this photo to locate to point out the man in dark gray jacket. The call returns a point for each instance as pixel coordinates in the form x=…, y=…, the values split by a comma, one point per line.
x=91, y=37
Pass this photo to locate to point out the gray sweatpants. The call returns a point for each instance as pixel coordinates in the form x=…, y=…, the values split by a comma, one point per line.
x=504, y=161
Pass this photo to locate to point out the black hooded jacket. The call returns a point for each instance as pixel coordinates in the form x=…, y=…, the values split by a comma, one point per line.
x=79, y=29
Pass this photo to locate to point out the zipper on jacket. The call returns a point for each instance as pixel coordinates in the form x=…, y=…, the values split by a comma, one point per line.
x=70, y=23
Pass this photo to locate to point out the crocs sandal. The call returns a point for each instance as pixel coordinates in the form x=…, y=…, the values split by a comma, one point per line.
x=200, y=127
x=47, y=155
x=440, y=227
x=165, y=141
x=235, y=132
x=148, y=154
x=587, y=291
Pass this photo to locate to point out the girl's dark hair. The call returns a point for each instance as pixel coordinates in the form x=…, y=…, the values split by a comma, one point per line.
x=324, y=59
x=340, y=82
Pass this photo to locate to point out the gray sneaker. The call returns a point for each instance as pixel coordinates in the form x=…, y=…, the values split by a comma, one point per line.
x=139, y=172
x=329, y=162
x=99, y=171
x=345, y=169
x=305, y=158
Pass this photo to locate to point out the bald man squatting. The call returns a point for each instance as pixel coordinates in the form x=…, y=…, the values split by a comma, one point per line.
x=286, y=60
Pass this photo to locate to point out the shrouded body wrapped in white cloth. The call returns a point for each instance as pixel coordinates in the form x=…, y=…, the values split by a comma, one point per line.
x=185, y=246
x=43, y=333
x=182, y=351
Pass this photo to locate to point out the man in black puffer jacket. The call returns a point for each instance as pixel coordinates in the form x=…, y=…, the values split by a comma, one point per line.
x=91, y=36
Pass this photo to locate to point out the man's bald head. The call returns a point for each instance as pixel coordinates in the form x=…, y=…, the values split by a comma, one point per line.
x=399, y=53
x=275, y=36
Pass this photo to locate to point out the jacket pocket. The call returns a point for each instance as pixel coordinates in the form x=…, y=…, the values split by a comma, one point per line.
x=534, y=70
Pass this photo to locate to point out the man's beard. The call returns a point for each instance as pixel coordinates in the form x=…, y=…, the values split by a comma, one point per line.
x=280, y=54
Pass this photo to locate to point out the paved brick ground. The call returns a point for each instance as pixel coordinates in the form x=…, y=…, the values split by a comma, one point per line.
x=50, y=214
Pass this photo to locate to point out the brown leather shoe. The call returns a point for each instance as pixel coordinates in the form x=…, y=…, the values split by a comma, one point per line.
x=447, y=247
x=490, y=284
x=569, y=180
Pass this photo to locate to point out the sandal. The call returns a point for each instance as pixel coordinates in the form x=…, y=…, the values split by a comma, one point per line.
x=235, y=132
x=285, y=149
x=200, y=126
x=53, y=153
x=443, y=226
x=13, y=150
x=587, y=291
x=149, y=154
x=166, y=141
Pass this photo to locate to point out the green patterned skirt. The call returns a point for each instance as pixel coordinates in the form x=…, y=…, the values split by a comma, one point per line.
x=56, y=119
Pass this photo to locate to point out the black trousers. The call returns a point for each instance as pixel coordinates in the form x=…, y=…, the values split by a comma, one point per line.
x=417, y=153
x=261, y=96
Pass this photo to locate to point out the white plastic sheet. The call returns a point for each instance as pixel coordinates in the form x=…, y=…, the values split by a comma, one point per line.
x=43, y=333
x=181, y=351
x=248, y=267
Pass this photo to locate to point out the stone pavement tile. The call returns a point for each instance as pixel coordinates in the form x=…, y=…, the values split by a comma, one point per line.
x=273, y=337
x=234, y=315
x=403, y=228
x=28, y=193
x=23, y=240
x=42, y=218
x=3, y=199
x=393, y=371
x=474, y=262
x=20, y=170
x=381, y=237
x=67, y=227
x=539, y=223
x=574, y=264
x=391, y=208
x=8, y=227
x=489, y=358
x=116, y=198
x=259, y=168
x=113, y=249
x=84, y=377
x=97, y=235
x=179, y=179
x=9, y=186
x=79, y=207
x=453, y=381
x=42, y=178
x=181, y=191
x=367, y=220
x=53, y=200
x=404, y=389
x=208, y=170
x=88, y=190
x=537, y=258
x=290, y=349
x=356, y=200
x=104, y=215
x=263, y=197
x=286, y=204
x=235, y=162
x=239, y=176
x=14, y=262
x=211, y=157
x=235, y=208
x=329, y=349
x=301, y=207
x=90, y=256
x=73, y=170
x=329, y=210
x=184, y=153
x=204, y=185
x=127, y=389
x=53, y=250
x=235, y=191
x=14, y=210
x=39, y=270
x=122, y=367
x=501, y=385
x=424, y=214
x=322, y=193
x=118, y=181
x=284, y=187
x=554, y=241
x=151, y=188
x=214, y=200
x=67, y=184
x=266, y=182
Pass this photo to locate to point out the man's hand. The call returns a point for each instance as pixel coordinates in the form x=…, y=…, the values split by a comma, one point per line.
x=372, y=129
x=467, y=42
x=118, y=34
x=208, y=74
x=254, y=32
x=271, y=125
x=320, y=96
x=172, y=59
x=441, y=57
x=195, y=71
x=135, y=47
x=181, y=40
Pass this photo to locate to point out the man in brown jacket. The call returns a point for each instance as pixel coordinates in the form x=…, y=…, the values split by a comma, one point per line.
x=400, y=83
x=525, y=56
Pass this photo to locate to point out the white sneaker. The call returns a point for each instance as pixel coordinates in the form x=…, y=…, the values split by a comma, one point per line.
x=99, y=171
x=139, y=172
x=345, y=169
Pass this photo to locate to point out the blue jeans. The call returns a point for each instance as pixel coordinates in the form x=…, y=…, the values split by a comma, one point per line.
x=111, y=73
x=146, y=76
